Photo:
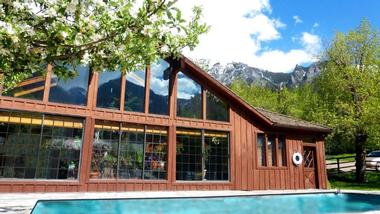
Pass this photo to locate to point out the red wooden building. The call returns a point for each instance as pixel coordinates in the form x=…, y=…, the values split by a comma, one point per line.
x=170, y=127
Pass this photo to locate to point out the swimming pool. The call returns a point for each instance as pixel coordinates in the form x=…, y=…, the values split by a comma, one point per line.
x=284, y=204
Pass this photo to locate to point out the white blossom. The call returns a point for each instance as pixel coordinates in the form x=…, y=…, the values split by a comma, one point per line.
x=64, y=34
x=85, y=59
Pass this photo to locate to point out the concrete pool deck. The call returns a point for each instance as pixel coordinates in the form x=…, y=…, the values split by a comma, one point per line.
x=24, y=202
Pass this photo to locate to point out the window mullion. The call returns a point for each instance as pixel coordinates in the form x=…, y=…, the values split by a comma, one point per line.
x=203, y=156
x=118, y=152
x=143, y=163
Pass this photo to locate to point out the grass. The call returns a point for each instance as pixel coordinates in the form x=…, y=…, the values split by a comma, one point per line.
x=347, y=181
x=345, y=157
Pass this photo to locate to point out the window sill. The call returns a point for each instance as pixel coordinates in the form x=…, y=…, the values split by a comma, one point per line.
x=272, y=168
x=43, y=181
x=114, y=180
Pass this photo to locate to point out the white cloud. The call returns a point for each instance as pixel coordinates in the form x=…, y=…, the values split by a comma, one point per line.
x=297, y=20
x=315, y=25
x=238, y=29
x=311, y=42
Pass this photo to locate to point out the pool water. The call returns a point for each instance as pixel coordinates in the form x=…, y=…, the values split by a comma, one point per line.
x=283, y=204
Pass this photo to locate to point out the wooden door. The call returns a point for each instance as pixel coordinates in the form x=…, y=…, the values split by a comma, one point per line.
x=310, y=166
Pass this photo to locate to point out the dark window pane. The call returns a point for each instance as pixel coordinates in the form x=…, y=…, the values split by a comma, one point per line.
x=216, y=109
x=159, y=88
x=109, y=90
x=71, y=91
x=189, y=97
x=216, y=155
x=24, y=153
x=31, y=88
x=272, y=150
x=135, y=91
x=282, y=150
x=155, y=164
x=131, y=152
x=189, y=154
x=261, y=149
x=105, y=150
x=60, y=150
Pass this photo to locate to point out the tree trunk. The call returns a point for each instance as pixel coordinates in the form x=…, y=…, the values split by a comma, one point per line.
x=360, y=141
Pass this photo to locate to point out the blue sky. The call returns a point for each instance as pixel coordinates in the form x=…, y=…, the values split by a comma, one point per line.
x=275, y=35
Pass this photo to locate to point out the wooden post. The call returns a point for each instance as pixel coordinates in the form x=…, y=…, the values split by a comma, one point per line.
x=122, y=91
x=47, y=83
x=338, y=163
x=204, y=105
x=92, y=90
x=85, y=167
x=147, y=89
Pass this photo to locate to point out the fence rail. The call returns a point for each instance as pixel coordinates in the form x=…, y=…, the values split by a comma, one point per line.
x=343, y=164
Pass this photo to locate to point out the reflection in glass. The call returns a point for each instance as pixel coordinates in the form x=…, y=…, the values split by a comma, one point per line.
x=39, y=146
x=272, y=150
x=216, y=109
x=109, y=90
x=71, y=91
x=60, y=148
x=282, y=150
x=189, y=154
x=131, y=152
x=105, y=150
x=155, y=165
x=189, y=97
x=118, y=151
x=159, y=88
x=261, y=149
x=216, y=155
x=135, y=91
x=31, y=88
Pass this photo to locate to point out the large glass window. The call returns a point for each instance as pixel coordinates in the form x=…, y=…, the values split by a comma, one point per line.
x=159, y=88
x=216, y=109
x=31, y=88
x=261, y=156
x=131, y=158
x=37, y=146
x=71, y=91
x=216, y=155
x=155, y=153
x=189, y=154
x=281, y=150
x=135, y=91
x=128, y=151
x=271, y=147
x=272, y=150
x=105, y=149
x=189, y=97
x=202, y=155
x=109, y=90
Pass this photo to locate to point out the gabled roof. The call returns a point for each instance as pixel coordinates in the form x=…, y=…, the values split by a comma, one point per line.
x=269, y=118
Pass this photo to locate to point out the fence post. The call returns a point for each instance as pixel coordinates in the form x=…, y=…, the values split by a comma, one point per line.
x=337, y=162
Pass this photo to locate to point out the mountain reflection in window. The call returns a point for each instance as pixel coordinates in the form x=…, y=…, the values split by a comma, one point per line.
x=109, y=90
x=189, y=97
x=159, y=88
x=135, y=91
x=31, y=88
x=216, y=109
x=70, y=91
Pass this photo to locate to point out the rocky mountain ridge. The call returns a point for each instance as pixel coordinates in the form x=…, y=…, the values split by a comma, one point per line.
x=239, y=71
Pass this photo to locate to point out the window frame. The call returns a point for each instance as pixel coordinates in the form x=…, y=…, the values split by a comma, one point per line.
x=116, y=177
x=203, y=180
x=277, y=151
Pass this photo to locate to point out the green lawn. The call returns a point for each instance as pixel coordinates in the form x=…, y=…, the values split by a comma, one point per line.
x=328, y=157
x=347, y=181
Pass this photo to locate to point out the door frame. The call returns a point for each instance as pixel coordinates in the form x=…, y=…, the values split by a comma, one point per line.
x=314, y=147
